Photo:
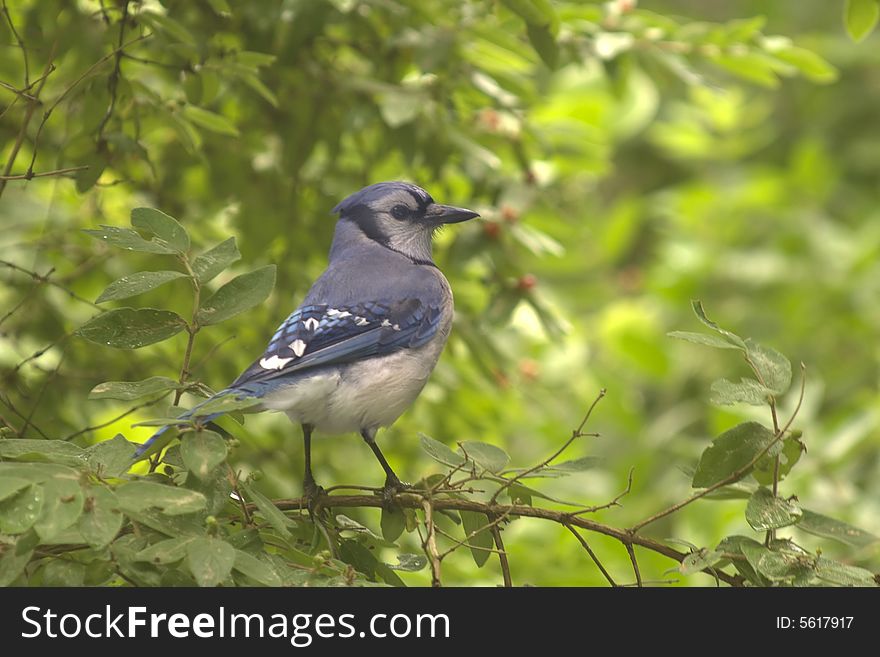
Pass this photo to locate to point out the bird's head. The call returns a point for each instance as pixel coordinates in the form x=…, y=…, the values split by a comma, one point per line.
x=399, y=216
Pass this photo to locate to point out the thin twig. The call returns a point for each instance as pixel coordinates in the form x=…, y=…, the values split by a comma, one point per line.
x=615, y=502
x=45, y=278
x=113, y=80
x=245, y=512
x=18, y=39
x=8, y=404
x=44, y=174
x=28, y=115
x=411, y=500
x=630, y=550
x=502, y=556
x=70, y=88
x=734, y=476
x=577, y=433
x=114, y=420
x=431, y=543
x=471, y=535
x=592, y=554
x=46, y=381
x=192, y=328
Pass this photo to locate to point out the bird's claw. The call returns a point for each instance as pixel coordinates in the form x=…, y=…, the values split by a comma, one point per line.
x=313, y=494
x=391, y=488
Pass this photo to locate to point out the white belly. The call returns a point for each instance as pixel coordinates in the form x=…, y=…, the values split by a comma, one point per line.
x=364, y=395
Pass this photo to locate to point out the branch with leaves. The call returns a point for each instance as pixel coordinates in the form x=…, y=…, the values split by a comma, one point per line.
x=60, y=500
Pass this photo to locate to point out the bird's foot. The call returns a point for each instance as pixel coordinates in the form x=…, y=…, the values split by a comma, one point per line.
x=392, y=487
x=313, y=494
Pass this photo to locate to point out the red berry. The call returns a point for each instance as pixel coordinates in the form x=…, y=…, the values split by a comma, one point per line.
x=526, y=282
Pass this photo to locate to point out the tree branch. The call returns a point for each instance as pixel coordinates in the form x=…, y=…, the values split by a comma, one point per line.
x=412, y=500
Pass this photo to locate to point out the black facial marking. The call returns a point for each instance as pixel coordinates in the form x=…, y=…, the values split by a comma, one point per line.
x=421, y=200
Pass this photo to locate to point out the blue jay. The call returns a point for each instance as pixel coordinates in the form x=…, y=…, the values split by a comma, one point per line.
x=361, y=347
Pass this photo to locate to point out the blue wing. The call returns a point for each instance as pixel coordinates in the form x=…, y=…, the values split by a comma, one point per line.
x=321, y=334
x=318, y=335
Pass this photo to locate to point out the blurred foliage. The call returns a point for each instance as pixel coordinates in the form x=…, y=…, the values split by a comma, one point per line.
x=625, y=160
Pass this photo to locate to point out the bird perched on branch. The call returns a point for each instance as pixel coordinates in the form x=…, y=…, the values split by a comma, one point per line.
x=364, y=341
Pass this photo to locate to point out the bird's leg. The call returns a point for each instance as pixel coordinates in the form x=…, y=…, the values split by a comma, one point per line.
x=312, y=490
x=393, y=484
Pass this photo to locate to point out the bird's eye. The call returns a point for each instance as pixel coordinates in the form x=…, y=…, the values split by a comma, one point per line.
x=400, y=212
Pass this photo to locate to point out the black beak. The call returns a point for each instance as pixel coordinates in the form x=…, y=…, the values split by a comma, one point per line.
x=448, y=214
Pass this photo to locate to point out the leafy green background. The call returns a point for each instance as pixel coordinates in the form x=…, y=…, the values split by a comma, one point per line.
x=626, y=158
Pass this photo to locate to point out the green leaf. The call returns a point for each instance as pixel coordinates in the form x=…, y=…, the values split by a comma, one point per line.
x=820, y=525
x=53, y=451
x=730, y=452
x=519, y=494
x=764, y=511
x=410, y=562
x=539, y=13
x=165, y=24
x=86, y=178
x=239, y=294
x=731, y=338
x=695, y=562
x=202, y=451
x=843, y=574
x=210, y=560
x=220, y=7
x=111, y=458
x=751, y=550
x=440, y=452
x=101, y=519
x=20, y=511
x=11, y=485
x=747, y=391
x=542, y=40
x=134, y=284
x=809, y=63
x=13, y=561
x=210, y=121
x=257, y=85
x=741, y=490
x=131, y=390
x=765, y=469
x=772, y=368
x=131, y=328
x=702, y=338
x=207, y=265
x=480, y=543
x=399, y=107
x=141, y=495
x=164, y=552
x=62, y=573
x=166, y=230
x=37, y=472
x=225, y=404
x=751, y=66
x=63, y=501
x=393, y=523
x=488, y=456
x=562, y=469
x=860, y=17
x=255, y=59
x=257, y=570
x=365, y=535
x=581, y=464
x=779, y=566
x=128, y=239
x=269, y=511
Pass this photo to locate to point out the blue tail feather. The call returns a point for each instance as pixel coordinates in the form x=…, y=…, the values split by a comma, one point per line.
x=193, y=412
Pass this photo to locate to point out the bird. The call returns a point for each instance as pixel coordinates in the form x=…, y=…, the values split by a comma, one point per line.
x=362, y=344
